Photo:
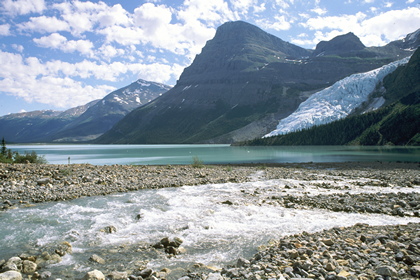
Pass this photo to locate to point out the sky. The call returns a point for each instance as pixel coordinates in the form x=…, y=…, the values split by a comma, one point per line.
x=58, y=54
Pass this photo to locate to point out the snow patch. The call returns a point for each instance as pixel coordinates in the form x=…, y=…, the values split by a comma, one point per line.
x=336, y=101
x=143, y=83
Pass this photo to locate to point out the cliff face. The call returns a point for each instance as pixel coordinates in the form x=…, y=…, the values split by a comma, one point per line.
x=243, y=82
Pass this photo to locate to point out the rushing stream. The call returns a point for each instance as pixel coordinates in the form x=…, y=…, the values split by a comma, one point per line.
x=218, y=223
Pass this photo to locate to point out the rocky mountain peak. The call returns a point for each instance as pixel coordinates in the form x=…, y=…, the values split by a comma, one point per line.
x=340, y=44
x=238, y=46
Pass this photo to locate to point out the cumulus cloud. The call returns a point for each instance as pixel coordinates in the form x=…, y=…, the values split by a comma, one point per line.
x=4, y=29
x=17, y=47
x=373, y=31
x=57, y=41
x=44, y=24
x=61, y=83
x=22, y=7
x=279, y=23
x=319, y=11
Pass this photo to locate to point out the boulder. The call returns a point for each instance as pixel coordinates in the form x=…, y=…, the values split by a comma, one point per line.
x=29, y=267
x=94, y=275
x=11, y=275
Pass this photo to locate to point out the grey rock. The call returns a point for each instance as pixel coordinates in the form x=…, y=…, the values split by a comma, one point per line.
x=117, y=275
x=145, y=273
x=94, y=275
x=97, y=259
x=215, y=276
x=243, y=262
x=387, y=271
x=415, y=271
x=11, y=275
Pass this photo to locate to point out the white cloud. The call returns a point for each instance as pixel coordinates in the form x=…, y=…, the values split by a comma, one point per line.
x=61, y=83
x=392, y=25
x=53, y=41
x=122, y=35
x=377, y=30
x=319, y=11
x=211, y=12
x=108, y=51
x=344, y=22
x=17, y=47
x=83, y=16
x=57, y=41
x=44, y=24
x=33, y=81
x=279, y=23
x=22, y=7
x=115, y=15
x=244, y=7
x=388, y=4
x=4, y=29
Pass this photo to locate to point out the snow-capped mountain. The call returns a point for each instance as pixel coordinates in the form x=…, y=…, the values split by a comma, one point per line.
x=108, y=111
x=336, y=101
x=80, y=123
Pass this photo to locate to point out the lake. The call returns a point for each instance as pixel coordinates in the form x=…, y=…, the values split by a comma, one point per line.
x=215, y=154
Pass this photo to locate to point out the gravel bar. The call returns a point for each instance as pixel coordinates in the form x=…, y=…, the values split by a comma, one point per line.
x=360, y=252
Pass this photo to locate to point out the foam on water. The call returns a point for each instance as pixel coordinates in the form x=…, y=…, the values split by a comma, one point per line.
x=218, y=222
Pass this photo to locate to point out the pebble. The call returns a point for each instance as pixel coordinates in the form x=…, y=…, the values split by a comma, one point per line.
x=360, y=252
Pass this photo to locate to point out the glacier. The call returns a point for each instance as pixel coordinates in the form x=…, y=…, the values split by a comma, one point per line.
x=335, y=102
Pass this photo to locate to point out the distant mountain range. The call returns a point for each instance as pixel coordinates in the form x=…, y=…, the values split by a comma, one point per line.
x=82, y=123
x=244, y=82
x=241, y=87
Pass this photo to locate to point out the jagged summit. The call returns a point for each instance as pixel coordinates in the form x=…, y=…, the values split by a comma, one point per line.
x=339, y=45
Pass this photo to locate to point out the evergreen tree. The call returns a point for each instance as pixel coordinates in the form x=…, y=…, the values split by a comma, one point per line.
x=3, y=147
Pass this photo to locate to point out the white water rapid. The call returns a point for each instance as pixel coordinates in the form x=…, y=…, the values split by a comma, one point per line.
x=219, y=223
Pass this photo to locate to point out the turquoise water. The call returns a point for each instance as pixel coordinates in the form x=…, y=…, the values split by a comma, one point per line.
x=214, y=154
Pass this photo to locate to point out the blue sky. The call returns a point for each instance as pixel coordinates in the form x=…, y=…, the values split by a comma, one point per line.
x=58, y=54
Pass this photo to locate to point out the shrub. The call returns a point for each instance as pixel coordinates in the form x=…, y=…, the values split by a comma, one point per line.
x=197, y=162
x=7, y=156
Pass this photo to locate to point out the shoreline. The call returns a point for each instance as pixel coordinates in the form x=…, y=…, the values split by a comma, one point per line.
x=359, y=252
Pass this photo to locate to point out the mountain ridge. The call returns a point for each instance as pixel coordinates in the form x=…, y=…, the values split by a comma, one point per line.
x=236, y=87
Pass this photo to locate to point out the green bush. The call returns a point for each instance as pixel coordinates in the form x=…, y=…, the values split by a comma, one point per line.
x=197, y=162
x=7, y=156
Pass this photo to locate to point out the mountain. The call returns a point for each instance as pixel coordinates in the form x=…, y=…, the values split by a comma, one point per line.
x=100, y=117
x=243, y=82
x=36, y=126
x=396, y=123
x=347, y=44
x=81, y=123
x=338, y=101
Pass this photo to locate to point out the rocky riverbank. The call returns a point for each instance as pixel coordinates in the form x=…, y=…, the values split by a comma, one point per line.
x=359, y=252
